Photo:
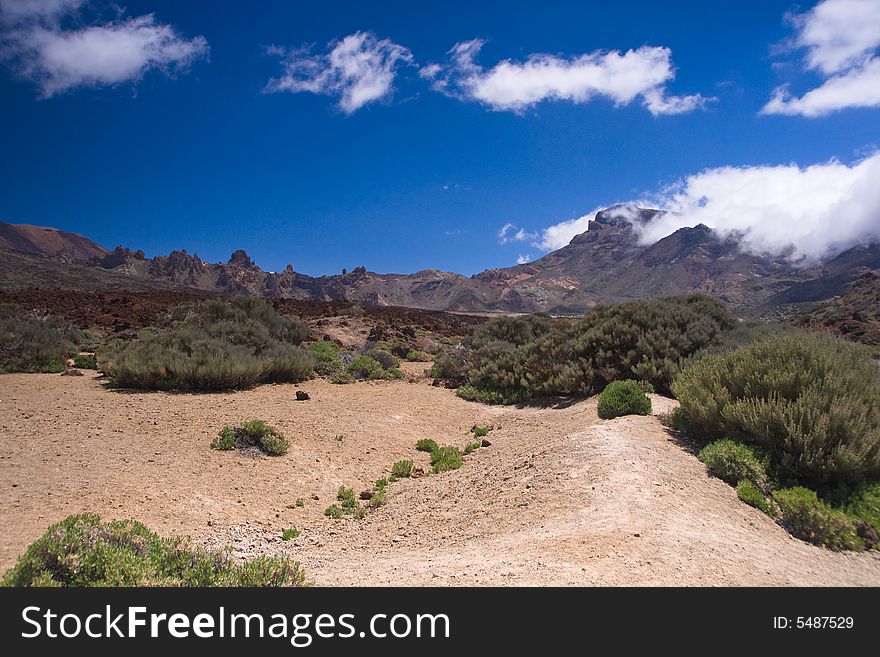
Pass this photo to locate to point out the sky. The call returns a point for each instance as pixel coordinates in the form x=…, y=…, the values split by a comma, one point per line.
x=449, y=135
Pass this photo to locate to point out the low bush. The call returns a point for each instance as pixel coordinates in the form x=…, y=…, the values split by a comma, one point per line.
x=83, y=551
x=85, y=362
x=472, y=447
x=386, y=359
x=346, y=505
x=450, y=366
x=342, y=378
x=402, y=469
x=749, y=493
x=470, y=393
x=811, y=402
x=31, y=342
x=810, y=519
x=481, y=432
x=623, y=398
x=446, y=458
x=864, y=505
x=367, y=367
x=426, y=445
x=289, y=534
x=254, y=433
x=733, y=461
x=214, y=345
x=416, y=356
x=326, y=355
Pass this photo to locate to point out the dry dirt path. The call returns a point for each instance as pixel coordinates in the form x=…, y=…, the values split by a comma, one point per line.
x=560, y=497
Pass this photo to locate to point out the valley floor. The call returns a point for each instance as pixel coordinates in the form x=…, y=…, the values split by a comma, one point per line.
x=559, y=498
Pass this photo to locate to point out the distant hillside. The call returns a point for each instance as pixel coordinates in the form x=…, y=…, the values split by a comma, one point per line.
x=605, y=264
x=49, y=243
x=854, y=315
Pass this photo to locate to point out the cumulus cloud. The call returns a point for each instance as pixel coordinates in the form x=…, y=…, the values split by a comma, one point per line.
x=358, y=69
x=806, y=214
x=58, y=58
x=511, y=233
x=841, y=39
x=559, y=235
x=515, y=86
x=523, y=259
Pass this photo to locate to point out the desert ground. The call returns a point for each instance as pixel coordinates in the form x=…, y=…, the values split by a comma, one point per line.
x=559, y=498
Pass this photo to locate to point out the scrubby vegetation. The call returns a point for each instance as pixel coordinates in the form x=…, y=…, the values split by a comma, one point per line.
x=290, y=534
x=811, y=519
x=214, y=345
x=85, y=362
x=446, y=458
x=402, y=469
x=799, y=413
x=346, y=505
x=623, y=398
x=83, y=551
x=511, y=360
x=472, y=447
x=426, y=445
x=748, y=492
x=733, y=462
x=30, y=342
x=367, y=367
x=254, y=433
x=811, y=402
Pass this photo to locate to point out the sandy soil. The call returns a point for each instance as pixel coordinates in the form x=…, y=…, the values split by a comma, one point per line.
x=560, y=497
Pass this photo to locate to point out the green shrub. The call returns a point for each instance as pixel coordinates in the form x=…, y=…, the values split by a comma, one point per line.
x=733, y=461
x=416, y=356
x=381, y=484
x=386, y=359
x=289, y=534
x=864, y=505
x=82, y=551
x=254, y=433
x=810, y=519
x=470, y=393
x=623, y=398
x=811, y=402
x=334, y=511
x=225, y=439
x=646, y=386
x=326, y=355
x=450, y=366
x=525, y=357
x=214, y=345
x=85, y=362
x=749, y=493
x=481, y=432
x=426, y=445
x=30, y=342
x=300, y=502
x=342, y=378
x=402, y=469
x=446, y=458
x=378, y=499
x=472, y=447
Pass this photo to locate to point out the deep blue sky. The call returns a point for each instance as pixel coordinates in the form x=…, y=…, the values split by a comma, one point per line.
x=206, y=161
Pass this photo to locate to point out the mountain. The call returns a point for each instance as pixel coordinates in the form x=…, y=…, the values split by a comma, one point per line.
x=854, y=315
x=605, y=264
x=48, y=243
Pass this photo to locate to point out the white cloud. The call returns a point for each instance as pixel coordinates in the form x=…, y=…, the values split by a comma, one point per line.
x=510, y=233
x=804, y=213
x=558, y=235
x=523, y=259
x=515, y=86
x=359, y=69
x=60, y=59
x=841, y=38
